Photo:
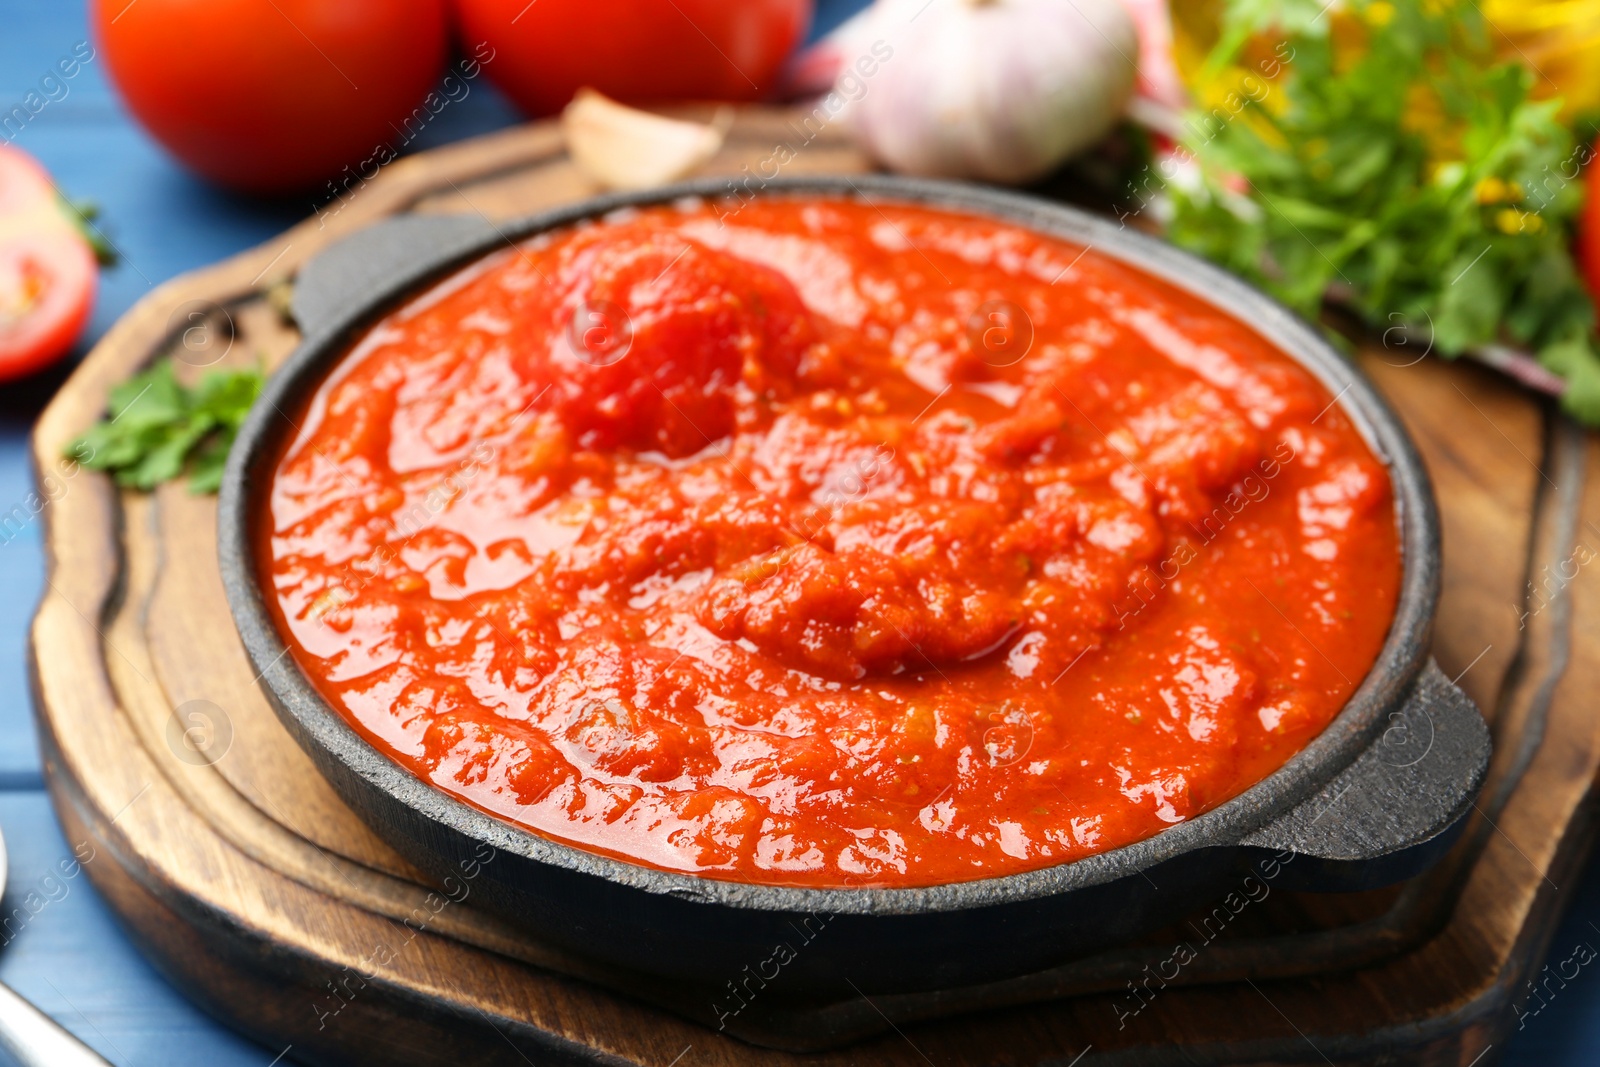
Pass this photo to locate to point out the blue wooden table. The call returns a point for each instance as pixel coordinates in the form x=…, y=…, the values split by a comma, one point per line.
x=68, y=955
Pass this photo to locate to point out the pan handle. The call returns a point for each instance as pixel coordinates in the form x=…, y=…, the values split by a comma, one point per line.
x=1398, y=807
x=350, y=271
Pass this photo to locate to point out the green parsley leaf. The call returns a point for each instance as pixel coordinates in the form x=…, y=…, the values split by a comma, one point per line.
x=157, y=429
x=1402, y=170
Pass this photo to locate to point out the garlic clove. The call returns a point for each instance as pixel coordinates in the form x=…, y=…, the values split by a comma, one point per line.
x=621, y=147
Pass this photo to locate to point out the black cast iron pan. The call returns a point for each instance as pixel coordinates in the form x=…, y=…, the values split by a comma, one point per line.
x=1375, y=798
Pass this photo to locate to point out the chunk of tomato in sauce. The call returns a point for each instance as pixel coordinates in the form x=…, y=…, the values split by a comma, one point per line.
x=647, y=338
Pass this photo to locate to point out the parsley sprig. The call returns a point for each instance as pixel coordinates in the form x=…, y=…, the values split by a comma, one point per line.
x=1400, y=168
x=158, y=429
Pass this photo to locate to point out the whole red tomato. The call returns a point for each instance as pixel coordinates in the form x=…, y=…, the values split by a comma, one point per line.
x=633, y=50
x=271, y=96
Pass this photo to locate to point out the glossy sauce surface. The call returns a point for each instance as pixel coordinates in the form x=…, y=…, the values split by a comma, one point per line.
x=823, y=543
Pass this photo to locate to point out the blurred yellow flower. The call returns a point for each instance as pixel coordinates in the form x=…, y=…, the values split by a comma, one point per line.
x=1511, y=220
x=1559, y=40
x=1492, y=190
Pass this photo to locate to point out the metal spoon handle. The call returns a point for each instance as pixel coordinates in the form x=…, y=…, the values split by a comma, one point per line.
x=36, y=1040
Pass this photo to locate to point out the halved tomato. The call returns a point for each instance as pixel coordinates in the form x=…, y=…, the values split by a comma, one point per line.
x=47, y=269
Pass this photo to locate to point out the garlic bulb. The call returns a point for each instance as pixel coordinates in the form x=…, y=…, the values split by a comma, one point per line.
x=1002, y=90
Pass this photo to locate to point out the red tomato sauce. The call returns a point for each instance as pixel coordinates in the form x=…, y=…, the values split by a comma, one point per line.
x=823, y=543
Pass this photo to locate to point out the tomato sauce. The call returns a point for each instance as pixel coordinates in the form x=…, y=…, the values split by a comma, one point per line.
x=822, y=543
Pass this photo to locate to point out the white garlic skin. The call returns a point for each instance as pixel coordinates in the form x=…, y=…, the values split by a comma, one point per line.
x=999, y=90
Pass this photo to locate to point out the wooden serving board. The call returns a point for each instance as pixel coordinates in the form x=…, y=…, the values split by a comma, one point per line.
x=256, y=891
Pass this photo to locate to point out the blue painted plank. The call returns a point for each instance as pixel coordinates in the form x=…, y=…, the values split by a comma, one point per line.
x=1560, y=1024
x=21, y=579
x=830, y=13
x=60, y=947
